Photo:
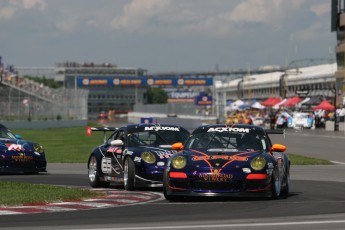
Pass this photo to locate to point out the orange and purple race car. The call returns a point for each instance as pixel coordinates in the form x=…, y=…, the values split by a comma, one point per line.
x=221, y=160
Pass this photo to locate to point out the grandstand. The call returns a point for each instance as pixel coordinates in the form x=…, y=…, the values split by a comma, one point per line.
x=22, y=98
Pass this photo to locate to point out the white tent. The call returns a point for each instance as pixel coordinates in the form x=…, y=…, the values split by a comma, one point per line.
x=257, y=105
x=236, y=104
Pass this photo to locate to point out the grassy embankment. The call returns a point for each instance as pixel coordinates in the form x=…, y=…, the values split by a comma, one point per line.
x=72, y=145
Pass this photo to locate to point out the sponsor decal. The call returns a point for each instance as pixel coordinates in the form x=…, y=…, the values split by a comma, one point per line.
x=163, y=154
x=160, y=163
x=215, y=176
x=22, y=158
x=229, y=129
x=137, y=159
x=15, y=147
x=157, y=128
x=228, y=158
x=114, y=150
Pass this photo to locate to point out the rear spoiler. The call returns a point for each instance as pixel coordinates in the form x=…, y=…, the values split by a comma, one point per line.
x=276, y=131
x=89, y=131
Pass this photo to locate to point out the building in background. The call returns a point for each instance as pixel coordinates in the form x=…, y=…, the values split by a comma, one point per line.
x=111, y=88
x=338, y=26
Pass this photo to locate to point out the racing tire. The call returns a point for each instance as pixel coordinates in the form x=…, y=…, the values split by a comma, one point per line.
x=129, y=175
x=275, y=184
x=285, y=190
x=166, y=196
x=93, y=173
x=169, y=197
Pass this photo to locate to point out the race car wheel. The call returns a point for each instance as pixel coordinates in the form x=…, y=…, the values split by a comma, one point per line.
x=286, y=188
x=93, y=171
x=168, y=197
x=129, y=174
x=276, y=184
x=165, y=185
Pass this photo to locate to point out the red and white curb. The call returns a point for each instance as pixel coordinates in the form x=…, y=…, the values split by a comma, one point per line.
x=112, y=198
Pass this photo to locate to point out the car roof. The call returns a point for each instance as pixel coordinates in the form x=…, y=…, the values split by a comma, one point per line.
x=228, y=127
x=130, y=126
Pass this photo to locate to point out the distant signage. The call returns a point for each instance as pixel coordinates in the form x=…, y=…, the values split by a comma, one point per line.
x=203, y=99
x=146, y=120
x=302, y=92
x=182, y=96
x=143, y=81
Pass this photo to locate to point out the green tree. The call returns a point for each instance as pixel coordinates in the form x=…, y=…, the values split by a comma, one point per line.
x=157, y=96
x=51, y=83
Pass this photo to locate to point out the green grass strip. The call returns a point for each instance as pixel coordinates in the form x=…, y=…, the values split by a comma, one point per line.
x=72, y=145
x=64, y=145
x=17, y=193
x=296, y=159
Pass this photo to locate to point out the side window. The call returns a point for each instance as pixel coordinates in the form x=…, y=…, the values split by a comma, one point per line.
x=121, y=136
x=113, y=137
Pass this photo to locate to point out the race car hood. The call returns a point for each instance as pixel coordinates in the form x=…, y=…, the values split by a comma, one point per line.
x=12, y=145
x=162, y=153
x=219, y=158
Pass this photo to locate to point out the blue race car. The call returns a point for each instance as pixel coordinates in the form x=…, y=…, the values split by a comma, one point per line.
x=134, y=155
x=17, y=155
x=220, y=160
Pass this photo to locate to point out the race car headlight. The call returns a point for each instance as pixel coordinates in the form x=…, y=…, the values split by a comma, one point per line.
x=38, y=148
x=179, y=162
x=258, y=163
x=148, y=157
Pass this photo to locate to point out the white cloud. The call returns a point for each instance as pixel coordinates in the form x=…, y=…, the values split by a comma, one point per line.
x=30, y=4
x=8, y=9
x=67, y=24
x=187, y=17
x=321, y=9
x=138, y=12
x=315, y=30
x=269, y=12
x=7, y=12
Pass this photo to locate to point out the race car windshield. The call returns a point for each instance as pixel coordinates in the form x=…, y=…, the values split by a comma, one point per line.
x=155, y=138
x=5, y=133
x=224, y=141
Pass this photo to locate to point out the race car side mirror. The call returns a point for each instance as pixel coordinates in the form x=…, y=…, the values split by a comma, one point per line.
x=278, y=148
x=177, y=146
x=116, y=143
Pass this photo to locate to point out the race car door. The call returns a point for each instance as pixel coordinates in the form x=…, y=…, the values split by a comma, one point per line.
x=114, y=148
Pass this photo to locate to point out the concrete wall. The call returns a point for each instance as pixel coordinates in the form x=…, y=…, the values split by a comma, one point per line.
x=43, y=124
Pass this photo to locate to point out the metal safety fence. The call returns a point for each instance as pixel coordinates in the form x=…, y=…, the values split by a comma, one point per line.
x=28, y=100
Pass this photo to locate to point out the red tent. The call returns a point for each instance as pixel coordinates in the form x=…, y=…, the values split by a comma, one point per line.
x=324, y=105
x=271, y=101
x=291, y=101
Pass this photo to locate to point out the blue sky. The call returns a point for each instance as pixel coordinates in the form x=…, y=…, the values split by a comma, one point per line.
x=165, y=35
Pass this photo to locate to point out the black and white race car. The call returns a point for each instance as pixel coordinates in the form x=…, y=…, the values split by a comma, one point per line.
x=134, y=155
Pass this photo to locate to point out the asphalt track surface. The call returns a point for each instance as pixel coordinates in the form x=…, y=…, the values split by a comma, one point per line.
x=316, y=201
